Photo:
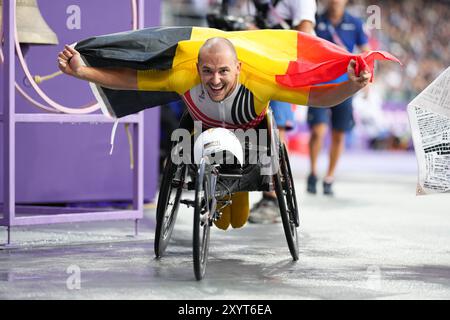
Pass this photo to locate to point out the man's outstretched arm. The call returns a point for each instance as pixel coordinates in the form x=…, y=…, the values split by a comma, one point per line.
x=69, y=62
x=333, y=95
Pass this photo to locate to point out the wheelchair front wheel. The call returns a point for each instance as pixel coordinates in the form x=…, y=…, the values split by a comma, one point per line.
x=202, y=218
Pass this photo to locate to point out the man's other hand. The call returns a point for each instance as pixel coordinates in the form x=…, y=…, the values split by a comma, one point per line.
x=360, y=81
x=69, y=61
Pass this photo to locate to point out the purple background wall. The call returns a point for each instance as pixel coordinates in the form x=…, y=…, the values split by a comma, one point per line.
x=71, y=162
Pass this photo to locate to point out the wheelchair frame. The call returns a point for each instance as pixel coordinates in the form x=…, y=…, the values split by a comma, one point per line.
x=209, y=200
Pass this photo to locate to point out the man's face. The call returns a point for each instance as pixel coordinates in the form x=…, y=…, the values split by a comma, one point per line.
x=219, y=73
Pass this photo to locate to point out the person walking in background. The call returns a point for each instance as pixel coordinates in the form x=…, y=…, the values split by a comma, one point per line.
x=282, y=14
x=338, y=26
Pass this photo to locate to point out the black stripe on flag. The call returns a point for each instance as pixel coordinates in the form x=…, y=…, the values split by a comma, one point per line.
x=150, y=48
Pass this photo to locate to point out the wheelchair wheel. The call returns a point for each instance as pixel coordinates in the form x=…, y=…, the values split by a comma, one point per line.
x=284, y=188
x=289, y=186
x=168, y=204
x=201, y=222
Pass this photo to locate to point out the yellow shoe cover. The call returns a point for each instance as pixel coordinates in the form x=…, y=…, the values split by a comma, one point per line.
x=236, y=213
x=225, y=218
x=239, y=209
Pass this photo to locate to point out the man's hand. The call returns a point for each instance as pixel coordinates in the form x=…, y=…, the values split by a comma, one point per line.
x=69, y=61
x=358, y=82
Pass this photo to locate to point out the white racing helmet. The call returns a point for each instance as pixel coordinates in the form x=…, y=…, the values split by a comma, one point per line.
x=216, y=140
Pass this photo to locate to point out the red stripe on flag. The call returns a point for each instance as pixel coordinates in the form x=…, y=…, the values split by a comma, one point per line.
x=320, y=61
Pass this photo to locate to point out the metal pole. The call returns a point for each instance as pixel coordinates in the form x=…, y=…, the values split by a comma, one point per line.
x=8, y=102
x=141, y=12
x=138, y=142
x=138, y=171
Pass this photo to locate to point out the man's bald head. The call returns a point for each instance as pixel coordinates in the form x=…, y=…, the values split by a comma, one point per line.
x=217, y=45
x=218, y=68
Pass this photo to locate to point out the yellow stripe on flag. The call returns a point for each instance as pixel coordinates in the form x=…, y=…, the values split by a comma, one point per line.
x=268, y=51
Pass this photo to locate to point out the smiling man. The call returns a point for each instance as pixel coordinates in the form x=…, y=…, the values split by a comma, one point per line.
x=218, y=67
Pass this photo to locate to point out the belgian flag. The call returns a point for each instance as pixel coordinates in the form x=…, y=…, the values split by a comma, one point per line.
x=289, y=58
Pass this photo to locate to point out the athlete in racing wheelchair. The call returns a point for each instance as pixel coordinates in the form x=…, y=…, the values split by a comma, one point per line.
x=226, y=167
x=227, y=80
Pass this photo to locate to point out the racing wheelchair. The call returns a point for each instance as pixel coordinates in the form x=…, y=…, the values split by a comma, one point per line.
x=213, y=184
